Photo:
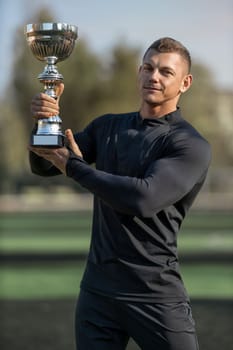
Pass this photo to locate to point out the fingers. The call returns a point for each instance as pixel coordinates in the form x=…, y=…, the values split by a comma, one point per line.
x=72, y=143
x=59, y=90
x=45, y=106
x=51, y=154
x=70, y=137
x=42, y=152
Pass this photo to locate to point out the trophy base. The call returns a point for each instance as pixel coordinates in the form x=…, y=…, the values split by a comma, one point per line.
x=47, y=141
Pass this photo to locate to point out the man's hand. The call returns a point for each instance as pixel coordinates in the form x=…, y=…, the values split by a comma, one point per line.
x=59, y=156
x=72, y=144
x=45, y=106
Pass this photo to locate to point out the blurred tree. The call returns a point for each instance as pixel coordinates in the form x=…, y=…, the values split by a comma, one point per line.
x=200, y=105
x=95, y=87
x=83, y=86
x=196, y=103
x=13, y=145
x=121, y=86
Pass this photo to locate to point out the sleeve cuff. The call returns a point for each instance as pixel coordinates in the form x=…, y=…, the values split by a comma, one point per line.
x=72, y=165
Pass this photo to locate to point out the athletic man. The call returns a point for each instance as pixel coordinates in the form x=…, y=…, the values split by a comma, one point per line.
x=149, y=167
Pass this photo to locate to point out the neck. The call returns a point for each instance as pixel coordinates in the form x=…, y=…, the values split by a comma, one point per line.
x=149, y=110
x=155, y=111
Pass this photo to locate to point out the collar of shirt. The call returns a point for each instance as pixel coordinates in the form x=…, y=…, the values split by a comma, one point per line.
x=169, y=118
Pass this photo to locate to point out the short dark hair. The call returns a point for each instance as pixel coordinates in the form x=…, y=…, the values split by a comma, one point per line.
x=167, y=44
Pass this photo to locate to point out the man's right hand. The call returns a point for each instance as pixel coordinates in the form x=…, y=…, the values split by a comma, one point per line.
x=44, y=106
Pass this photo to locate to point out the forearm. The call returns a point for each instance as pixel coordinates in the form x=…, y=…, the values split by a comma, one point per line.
x=117, y=191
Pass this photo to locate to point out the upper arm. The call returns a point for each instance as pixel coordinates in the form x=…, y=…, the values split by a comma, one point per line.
x=173, y=176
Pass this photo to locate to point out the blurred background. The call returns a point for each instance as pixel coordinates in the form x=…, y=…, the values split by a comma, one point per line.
x=45, y=223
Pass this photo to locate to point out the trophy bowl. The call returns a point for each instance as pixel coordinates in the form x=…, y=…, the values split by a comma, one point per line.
x=51, y=40
x=51, y=43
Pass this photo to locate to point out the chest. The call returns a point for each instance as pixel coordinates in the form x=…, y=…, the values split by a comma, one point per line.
x=129, y=150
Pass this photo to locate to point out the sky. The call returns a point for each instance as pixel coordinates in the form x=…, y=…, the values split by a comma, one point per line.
x=205, y=27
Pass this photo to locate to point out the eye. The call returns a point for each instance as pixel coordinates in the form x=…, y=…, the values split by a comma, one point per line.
x=147, y=68
x=167, y=72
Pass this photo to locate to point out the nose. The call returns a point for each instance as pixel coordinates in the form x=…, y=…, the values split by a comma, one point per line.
x=154, y=75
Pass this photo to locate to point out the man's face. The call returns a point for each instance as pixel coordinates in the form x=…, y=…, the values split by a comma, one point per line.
x=162, y=77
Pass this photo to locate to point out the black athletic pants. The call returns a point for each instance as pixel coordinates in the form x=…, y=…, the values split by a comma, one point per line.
x=104, y=323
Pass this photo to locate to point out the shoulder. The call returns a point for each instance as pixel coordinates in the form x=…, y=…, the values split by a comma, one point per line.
x=185, y=138
x=183, y=131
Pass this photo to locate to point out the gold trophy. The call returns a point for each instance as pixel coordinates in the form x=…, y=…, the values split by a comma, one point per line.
x=51, y=43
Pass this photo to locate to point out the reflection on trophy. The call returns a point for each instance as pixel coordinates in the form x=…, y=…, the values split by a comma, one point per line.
x=52, y=43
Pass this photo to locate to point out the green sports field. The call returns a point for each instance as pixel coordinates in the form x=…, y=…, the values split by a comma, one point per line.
x=48, y=234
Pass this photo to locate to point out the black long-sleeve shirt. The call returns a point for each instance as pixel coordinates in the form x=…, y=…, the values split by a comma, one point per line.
x=147, y=174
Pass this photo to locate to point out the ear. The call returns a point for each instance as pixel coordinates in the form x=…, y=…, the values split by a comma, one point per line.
x=186, y=83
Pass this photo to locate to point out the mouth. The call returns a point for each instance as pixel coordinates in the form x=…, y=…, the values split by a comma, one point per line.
x=152, y=88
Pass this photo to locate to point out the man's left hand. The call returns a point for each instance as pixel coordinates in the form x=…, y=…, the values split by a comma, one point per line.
x=58, y=156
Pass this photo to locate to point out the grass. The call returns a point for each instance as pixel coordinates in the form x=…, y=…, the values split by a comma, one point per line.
x=70, y=232
x=209, y=221
x=69, y=242
x=41, y=281
x=62, y=280
x=45, y=244
x=208, y=280
x=199, y=242
x=42, y=232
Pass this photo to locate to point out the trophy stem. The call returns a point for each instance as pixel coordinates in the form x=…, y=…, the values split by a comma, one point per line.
x=50, y=74
x=50, y=89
